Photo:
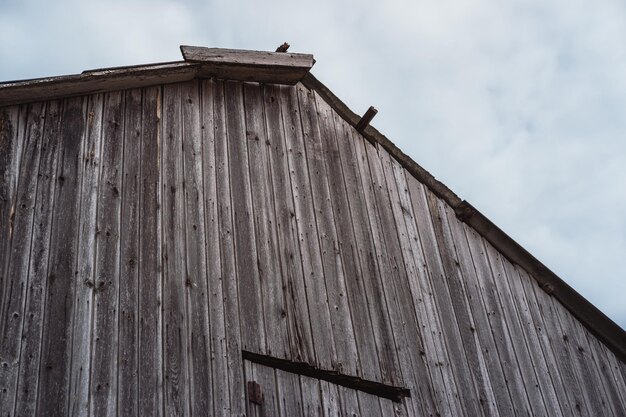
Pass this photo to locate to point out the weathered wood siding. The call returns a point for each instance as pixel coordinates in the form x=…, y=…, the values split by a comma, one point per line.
x=148, y=236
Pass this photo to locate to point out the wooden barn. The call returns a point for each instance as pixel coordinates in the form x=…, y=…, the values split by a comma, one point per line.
x=222, y=236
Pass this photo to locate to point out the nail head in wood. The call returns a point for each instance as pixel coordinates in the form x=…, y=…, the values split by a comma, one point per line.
x=366, y=119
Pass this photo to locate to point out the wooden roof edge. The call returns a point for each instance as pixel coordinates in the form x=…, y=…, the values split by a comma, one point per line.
x=601, y=326
x=242, y=65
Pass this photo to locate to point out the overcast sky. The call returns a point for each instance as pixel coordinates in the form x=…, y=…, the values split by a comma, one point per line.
x=518, y=106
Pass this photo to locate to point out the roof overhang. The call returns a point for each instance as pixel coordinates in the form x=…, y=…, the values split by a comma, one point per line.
x=231, y=64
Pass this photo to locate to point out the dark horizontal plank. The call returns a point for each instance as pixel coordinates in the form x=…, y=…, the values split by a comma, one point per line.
x=371, y=387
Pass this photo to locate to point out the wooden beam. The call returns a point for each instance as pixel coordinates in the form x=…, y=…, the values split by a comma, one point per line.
x=95, y=81
x=366, y=119
x=353, y=382
x=234, y=64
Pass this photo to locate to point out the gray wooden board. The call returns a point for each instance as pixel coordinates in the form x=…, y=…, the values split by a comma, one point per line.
x=129, y=253
x=482, y=328
x=150, y=400
x=311, y=397
x=505, y=350
x=330, y=253
x=227, y=253
x=289, y=394
x=270, y=280
x=295, y=298
x=215, y=284
x=367, y=258
x=402, y=370
x=28, y=381
x=458, y=299
x=564, y=362
x=329, y=399
x=103, y=379
x=594, y=348
x=174, y=252
x=347, y=245
x=17, y=256
x=514, y=294
x=391, y=264
x=592, y=383
x=448, y=362
x=243, y=57
x=402, y=254
x=10, y=157
x=246, y=258
x=313, y=272
x=370, y=405
x=266, y=377
x=611, y=366
x=196, y=268
x=81, y=349
x=349, y=402
x=537, y=323
x=513, y=332
x=56, y=353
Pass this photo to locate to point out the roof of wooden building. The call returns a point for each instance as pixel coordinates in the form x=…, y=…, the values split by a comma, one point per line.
x=291, y=68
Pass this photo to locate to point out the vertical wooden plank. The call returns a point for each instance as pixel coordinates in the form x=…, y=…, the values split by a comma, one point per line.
x=17, y=275
x=227, y=253
x=591, y=383
x=58, y=320
x=610, y=365
x=311, y=397
x=394, y=262
x=174, y=257
x=28, y=381
x=246, y=257
x=564, y=362
x=296, y=311
x=562, y=389
x=268, y=266
x=610, y=383
x=106, y=284
x=366, y=250
x=497, y=324
x=330, y=399
x=10, y=158
x=81, y=350
x=365, y=340
x=468, y=346
x=370, y=405
x=513, y=292
x=129, y=254
x=313, y=272
x=330, y=252
x=252, y=409
x=349, y=403
x=420, y=256
x=289, y=394
x=197, y=292
x=512, y=331
x=266, y=377
x=482, y=328
x=215, y=285
x=150, y=400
